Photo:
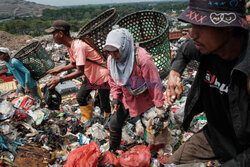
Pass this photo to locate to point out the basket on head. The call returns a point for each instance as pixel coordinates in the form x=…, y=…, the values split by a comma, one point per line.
x=150, y=30
x=96, y=30
x=35, y=59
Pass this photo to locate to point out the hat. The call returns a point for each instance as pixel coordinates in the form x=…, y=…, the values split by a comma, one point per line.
x=4, y=50
x=58, y=25
x=216, y=13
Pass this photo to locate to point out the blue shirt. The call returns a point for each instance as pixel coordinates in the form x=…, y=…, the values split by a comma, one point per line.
x=21, y=73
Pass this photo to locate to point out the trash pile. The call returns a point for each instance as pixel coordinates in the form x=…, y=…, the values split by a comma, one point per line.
x=30, y=133
x=34, y=133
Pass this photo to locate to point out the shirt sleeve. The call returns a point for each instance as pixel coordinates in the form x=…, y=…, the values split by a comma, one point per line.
x=19, y=66
x=8, y=73
x=151, y=77
x=185, y=53
x=115, y=90
x=80, y=53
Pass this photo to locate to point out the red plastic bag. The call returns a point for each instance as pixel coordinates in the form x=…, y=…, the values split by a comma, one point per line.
x=138, y=156
x=163, y=159
x=85, y=156
x=108, y=158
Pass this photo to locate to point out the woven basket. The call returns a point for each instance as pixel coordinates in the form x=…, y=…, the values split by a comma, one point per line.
x=35, y=59
x=151, y=29
x=95, y=31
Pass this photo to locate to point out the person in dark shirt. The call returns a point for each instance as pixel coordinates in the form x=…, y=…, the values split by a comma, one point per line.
x=220, y=42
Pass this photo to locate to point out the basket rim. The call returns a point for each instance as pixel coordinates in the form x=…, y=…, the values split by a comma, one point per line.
x=79, y=35
x=144, y=11
x=36, y=43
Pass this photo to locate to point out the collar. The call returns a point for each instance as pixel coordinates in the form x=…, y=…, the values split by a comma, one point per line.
x=243, y=63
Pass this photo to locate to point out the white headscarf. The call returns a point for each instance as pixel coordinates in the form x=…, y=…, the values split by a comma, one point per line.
x=122, y=68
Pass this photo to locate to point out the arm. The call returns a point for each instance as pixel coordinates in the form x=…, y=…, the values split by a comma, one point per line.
x=116, y=94
x=19, y=66
x=185, y=53
x=55, y=71
x=79, y=72
x=116, y=91
x=8, y=74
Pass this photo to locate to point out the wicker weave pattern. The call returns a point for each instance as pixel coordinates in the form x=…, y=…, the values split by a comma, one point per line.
x=36, y=59
x=96, y=31
x=150, y=29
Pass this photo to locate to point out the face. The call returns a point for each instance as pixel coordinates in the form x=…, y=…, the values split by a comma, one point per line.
x=209, y=39
x=4, y=57
x=115, y=54
x=58, y=36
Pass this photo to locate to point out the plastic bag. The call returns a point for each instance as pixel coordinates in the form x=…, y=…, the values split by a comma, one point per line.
x=108, y=158
x=6, y=110
x=138, y=156
x=85, y=156
x=97, y=132
x=52, y=98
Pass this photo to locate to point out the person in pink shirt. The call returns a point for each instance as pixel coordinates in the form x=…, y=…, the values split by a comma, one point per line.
x=134, y=80
x=87, y=61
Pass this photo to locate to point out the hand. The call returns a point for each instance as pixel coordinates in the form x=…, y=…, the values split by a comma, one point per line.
x=174, y=87
x=114, y=106
x=27, y=90
x=54, y=71
x=52, y=83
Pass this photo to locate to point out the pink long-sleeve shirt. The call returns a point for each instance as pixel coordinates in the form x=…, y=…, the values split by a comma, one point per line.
x=79, y=52
x=153, y=96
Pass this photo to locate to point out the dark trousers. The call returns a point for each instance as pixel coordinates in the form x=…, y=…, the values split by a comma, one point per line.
x=116, y=123
x=195, y=150
x=103, y=93
x=118, y=119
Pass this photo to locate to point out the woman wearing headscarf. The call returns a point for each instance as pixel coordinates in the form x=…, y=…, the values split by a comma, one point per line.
x=135, y=83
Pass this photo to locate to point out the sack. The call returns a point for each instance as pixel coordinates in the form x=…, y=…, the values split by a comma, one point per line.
x=163, y=138
x=52, y=98
x=138, y=156
x=85, y=156
x=108, y=158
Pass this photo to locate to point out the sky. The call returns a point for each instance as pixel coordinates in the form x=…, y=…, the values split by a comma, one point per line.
x=84, y=2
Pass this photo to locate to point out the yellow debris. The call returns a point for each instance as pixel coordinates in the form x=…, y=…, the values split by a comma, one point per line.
x=8, y=86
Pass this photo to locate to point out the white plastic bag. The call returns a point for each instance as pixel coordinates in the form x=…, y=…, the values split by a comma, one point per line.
x=6, y=110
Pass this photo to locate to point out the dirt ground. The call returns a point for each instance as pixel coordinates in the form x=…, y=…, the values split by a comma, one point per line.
x=31, y=157
x=13, y=42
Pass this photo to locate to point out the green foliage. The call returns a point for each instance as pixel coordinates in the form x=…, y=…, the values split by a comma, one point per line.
x=79, y=16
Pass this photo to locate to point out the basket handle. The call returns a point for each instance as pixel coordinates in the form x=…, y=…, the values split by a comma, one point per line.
x=88, y=41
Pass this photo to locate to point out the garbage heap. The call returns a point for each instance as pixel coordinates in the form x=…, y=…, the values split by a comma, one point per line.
x=31, y=134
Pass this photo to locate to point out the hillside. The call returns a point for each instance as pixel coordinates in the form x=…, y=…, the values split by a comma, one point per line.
x=14, y=8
